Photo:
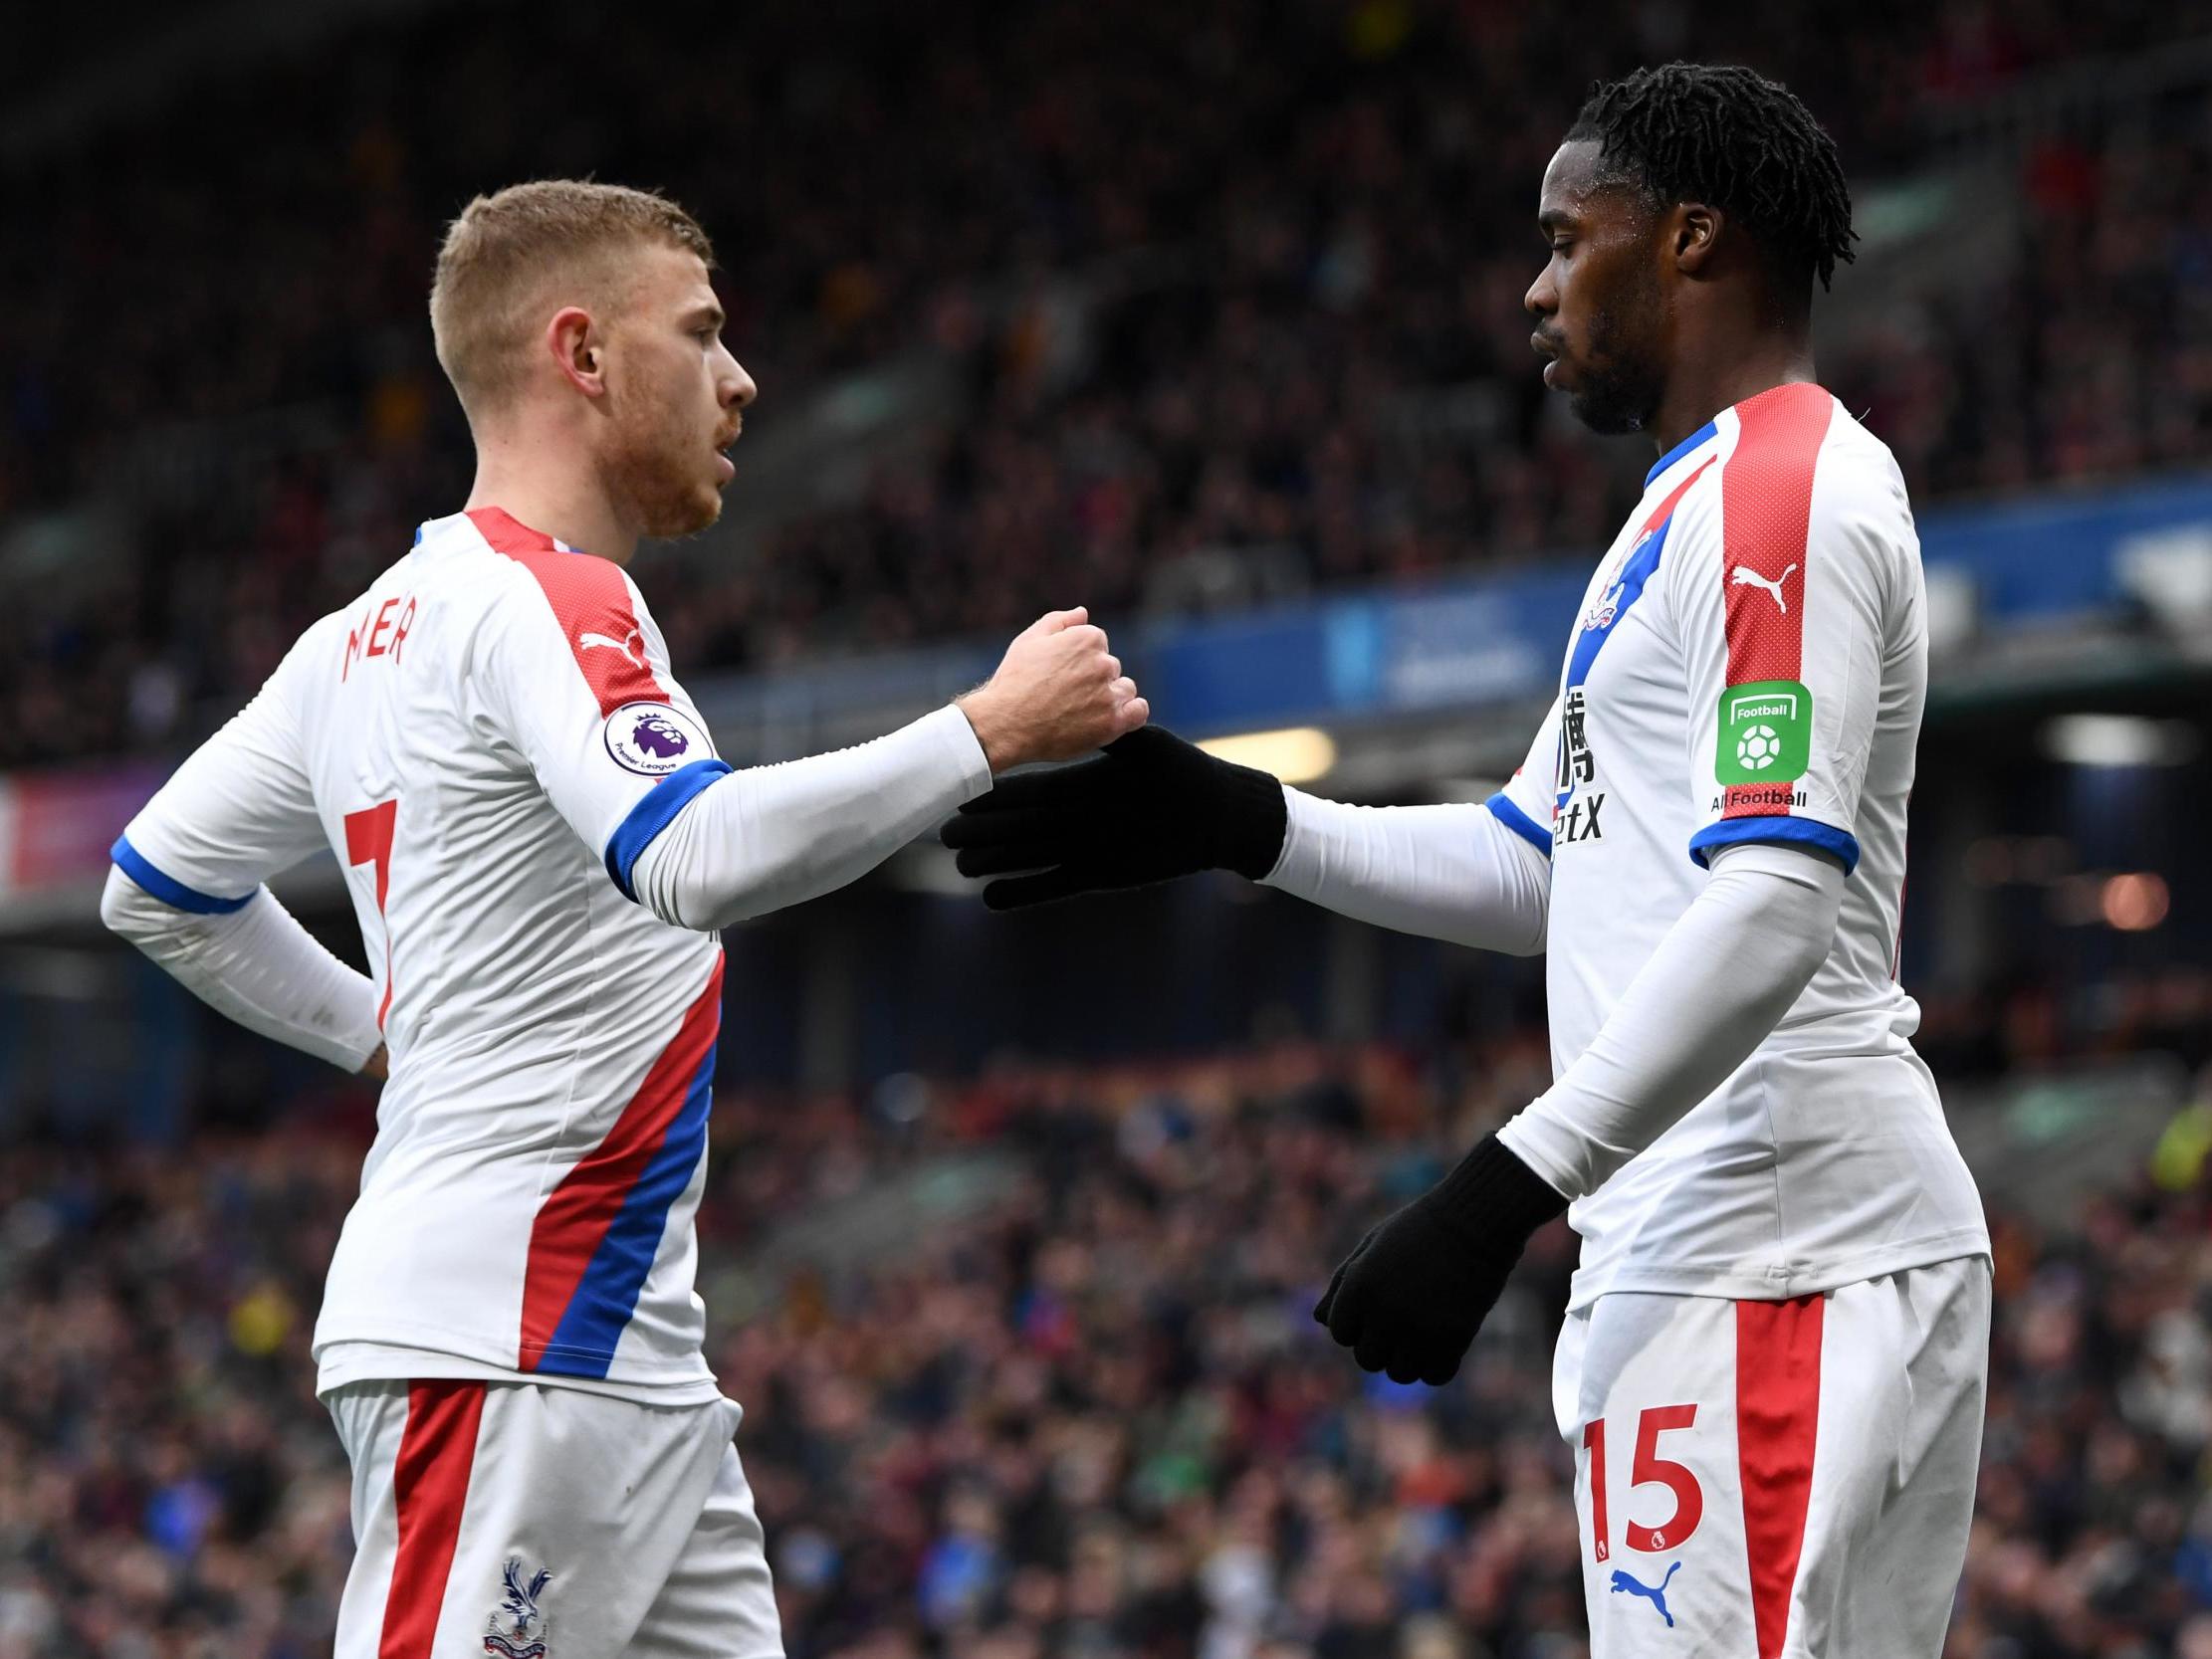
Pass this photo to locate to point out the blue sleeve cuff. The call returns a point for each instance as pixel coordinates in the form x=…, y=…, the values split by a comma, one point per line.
x=1777, y=831
x=1520, y=823
x=174, y=894
x=656, y=810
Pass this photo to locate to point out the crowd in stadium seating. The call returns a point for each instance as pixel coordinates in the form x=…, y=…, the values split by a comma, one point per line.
x=1086, y=1414
x=1233, y=295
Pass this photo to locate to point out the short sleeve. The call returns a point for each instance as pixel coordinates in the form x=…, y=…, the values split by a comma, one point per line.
x=1524, y=805
x=576, y=678
x=239, y=810
x=1781, y=600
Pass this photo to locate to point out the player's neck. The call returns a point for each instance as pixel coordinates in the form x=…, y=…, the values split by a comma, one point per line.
x=562, y=502
x=1710, y=379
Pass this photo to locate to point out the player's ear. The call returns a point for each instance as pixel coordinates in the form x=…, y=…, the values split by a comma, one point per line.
x=1692, y=233
x=574, y=343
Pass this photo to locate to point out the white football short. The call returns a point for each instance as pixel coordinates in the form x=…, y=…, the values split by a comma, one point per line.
x=1777, y=1480
x=526, y=1521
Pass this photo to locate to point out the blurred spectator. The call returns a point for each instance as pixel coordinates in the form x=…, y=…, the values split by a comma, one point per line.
x=1233, y=294
x=1087, y=1413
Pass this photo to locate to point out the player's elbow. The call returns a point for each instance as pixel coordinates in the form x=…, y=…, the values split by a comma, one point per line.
x=1518, y=932
x=127, y=908
x=1527, y=892
x=682, y=899
x=1801, y=927
x=706, y=898
x=719, y=862
x=679, y=880
x=1533, y=912
x=1810, y=948
x=1532, y=946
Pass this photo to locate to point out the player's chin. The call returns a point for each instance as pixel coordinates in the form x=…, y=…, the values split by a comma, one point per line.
x=706, y=510
x=1602, y=415
x=686, y=512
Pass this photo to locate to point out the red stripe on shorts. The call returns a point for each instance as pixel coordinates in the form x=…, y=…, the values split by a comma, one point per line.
x=1766, y=509
x=430, y=1482
x=1778, y=1401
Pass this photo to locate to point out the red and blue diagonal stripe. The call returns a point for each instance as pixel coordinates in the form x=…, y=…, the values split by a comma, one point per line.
x=1628, y=587
x=597, y=1232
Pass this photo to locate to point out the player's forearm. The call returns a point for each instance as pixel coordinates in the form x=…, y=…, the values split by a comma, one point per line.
x=1444, y=872
x=257, y=967
x=1719, y=983
x=759, y=840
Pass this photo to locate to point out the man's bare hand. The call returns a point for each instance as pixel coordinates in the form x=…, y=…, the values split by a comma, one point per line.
x=1058, y=693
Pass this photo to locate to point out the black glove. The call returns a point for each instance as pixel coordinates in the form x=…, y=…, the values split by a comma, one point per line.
x=1149, y=809
x=1409, y=1299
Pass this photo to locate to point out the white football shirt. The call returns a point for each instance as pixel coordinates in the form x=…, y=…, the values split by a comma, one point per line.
x=1750, y=665
x=489, y=738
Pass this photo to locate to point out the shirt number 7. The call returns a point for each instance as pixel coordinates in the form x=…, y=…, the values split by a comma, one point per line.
x=368, y=837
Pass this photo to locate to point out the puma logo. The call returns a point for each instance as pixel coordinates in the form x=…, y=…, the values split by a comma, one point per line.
x=1656, y=1594
x=591, y=641
x=1744, y=576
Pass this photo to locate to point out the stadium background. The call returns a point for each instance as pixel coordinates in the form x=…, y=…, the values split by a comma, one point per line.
x=1208, y=316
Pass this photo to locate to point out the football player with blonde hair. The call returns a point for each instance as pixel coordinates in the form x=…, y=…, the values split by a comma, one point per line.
x=540, y=845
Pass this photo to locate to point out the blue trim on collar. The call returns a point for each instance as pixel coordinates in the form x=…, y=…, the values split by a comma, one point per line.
x=1711, y=429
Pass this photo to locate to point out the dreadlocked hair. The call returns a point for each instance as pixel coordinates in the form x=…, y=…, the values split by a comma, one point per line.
x=1728, y=136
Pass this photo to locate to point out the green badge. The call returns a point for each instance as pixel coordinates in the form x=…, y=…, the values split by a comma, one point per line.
x=1766, y=732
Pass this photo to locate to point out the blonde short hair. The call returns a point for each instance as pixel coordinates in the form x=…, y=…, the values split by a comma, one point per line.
x=506, y=251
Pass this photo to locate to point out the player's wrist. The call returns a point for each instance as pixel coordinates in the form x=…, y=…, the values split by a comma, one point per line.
x=1493, y=1202
x=1223, y=816
x=1249, y=817
x=994, y=731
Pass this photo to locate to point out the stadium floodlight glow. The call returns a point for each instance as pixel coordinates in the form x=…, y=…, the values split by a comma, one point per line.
x=2119, y=740
x=1296, y=755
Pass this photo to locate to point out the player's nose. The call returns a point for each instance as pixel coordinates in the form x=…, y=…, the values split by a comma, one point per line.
x=736, y=387
x=1542, y=297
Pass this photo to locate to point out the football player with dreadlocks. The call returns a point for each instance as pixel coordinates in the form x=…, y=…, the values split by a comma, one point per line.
x=1773, y=1362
